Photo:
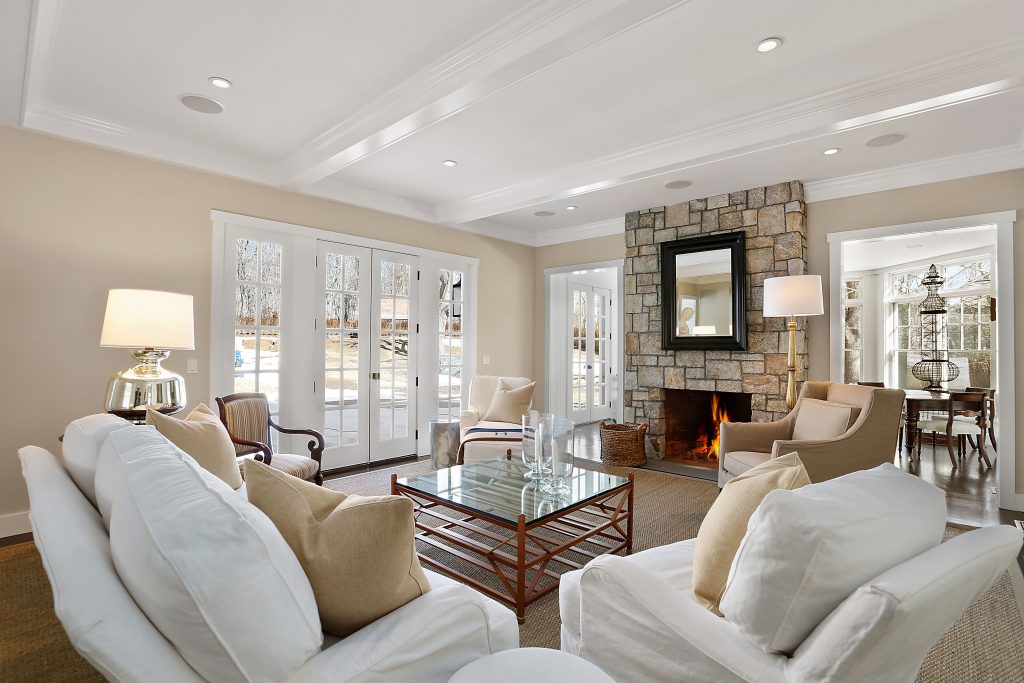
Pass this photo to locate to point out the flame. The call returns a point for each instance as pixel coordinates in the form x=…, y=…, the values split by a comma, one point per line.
x=718, y=415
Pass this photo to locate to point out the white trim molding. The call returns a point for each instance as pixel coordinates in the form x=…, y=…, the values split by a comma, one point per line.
x=934, y=171
x=1006, y=464
x=15, y=523
x=615, y=226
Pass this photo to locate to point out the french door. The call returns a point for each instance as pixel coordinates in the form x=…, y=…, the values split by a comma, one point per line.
x=590, y=338
x=367, y=323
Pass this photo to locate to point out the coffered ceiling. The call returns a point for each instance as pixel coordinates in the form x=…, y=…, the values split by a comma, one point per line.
x=543, y=104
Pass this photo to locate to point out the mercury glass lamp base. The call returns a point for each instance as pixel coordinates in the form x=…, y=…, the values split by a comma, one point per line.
x=146, y=385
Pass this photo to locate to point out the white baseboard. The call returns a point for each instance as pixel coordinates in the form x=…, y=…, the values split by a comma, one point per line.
x=14, y=524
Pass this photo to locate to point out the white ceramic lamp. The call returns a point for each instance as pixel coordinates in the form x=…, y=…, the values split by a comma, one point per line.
x=788, y=297
x=152, y=324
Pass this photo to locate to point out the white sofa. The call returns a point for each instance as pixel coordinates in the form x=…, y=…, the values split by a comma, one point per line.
x=636, y=618
x=474, y=430
x=428, y=639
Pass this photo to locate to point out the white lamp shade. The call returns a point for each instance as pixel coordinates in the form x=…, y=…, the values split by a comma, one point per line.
x=147, y=319
x=793, y=295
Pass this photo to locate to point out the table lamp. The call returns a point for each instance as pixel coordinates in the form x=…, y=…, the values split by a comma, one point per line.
x=791, y=296
x=152, y=324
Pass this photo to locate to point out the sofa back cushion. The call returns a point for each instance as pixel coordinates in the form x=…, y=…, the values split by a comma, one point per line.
x=820, y=420
x=807, y=550
x=81, y=448
x=725, y=524
x=208, y=569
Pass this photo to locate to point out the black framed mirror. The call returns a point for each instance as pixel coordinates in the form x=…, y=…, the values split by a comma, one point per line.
x=704, y=292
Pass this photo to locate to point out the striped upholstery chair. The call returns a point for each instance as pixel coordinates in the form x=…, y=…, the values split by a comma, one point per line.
x=248, y=421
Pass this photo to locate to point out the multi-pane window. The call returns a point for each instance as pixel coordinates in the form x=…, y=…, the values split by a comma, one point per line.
x=257, y=352
x=966, y=333
x=449, y=345
x=853, y=330
x=341, y=351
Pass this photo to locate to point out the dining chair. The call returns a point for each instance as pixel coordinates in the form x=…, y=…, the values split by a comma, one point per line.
x=249, y=423
x=990, y=418
x=964, y=404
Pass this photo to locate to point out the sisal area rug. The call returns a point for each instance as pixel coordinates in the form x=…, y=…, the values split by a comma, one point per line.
x=986, y=645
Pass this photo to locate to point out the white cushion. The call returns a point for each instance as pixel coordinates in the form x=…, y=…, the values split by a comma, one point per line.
x=960, y=426
x=208, y=569
x=536, y=664
x=807, y=550
x=111, y=480
x=738, y=462
x=81, y=448
x=819, y=420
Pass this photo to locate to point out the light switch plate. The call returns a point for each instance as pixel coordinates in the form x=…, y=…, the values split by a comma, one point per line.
x=487, y=360
x=192, y=366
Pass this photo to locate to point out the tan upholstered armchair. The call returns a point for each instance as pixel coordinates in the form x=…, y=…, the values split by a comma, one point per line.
x=868, y=440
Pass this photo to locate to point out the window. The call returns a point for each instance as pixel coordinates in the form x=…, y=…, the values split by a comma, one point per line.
x=449, y=344
x=966, y=331
x=257, y=351
x=853, y=330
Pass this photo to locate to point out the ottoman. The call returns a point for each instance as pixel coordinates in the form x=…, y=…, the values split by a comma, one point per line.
x=532, y=664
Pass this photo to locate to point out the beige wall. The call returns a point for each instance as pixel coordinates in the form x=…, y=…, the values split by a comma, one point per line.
x=78, y=220
x=964, y=197
x=569, y=254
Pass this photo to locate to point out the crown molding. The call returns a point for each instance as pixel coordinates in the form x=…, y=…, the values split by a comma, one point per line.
x=921, y=173
x=867, y=102
x=537, y=37
x=614, y=226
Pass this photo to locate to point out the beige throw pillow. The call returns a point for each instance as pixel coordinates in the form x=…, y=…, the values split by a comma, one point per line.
x=357, y=551
x=820, y=420
x=509, y=405
x=725, y=525
x=202, y=436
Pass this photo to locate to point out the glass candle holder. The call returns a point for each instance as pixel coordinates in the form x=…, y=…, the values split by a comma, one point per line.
x=559, y=442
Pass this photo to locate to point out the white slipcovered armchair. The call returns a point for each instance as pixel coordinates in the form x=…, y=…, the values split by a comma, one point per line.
x=481, y=439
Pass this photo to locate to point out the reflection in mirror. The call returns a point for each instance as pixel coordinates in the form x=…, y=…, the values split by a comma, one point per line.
x=704, y=294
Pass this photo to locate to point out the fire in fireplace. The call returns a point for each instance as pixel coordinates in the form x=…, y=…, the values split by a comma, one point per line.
x=692, y=420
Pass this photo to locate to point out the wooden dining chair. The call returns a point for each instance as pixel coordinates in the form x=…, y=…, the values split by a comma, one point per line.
x=990, y=418
x=249, y=423
x=964, y=404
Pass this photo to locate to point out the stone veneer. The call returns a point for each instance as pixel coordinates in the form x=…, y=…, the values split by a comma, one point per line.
x=774, y=219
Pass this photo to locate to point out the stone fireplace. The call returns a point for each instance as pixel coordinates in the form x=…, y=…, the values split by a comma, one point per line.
x=692, y=420
x=774, y=220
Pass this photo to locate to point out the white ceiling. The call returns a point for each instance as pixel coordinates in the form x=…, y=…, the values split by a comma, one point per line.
x=887, y=252
x=547, y=103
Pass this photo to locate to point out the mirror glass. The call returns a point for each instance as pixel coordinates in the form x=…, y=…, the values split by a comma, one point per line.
x=704, y=294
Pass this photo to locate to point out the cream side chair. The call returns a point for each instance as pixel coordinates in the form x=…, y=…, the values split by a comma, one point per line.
x=482, y=439
x=868, y=442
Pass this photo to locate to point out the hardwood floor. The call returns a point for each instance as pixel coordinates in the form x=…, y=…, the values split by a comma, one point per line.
x=970, y=499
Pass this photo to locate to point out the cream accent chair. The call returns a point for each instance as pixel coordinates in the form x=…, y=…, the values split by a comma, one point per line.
x=869, y=441
x=474, y=431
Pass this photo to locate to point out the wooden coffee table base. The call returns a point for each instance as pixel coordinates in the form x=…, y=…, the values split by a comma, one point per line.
x=520, y=554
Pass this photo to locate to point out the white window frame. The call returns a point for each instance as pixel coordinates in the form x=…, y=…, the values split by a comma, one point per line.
x=300, y=367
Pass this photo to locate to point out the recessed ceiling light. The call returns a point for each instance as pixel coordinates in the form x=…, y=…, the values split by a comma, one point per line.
x=678, y=184
x=543, y=214
x=886, y=140
x=830, y=151
x=768, y=44
x=220, y=82
x=449, y=163
x=203, y=105
x=571, y=208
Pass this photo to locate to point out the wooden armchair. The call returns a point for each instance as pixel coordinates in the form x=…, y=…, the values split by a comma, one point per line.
x=247, y=419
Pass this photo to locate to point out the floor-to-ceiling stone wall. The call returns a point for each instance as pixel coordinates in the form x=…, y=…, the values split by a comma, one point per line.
x=774, y=219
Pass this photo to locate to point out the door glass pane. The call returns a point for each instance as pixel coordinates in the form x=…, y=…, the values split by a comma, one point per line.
x=246, y=260
x=245, y=305
x=269, y=385
x=245, y=382
x=270, y=350
x=332, y=351
x=270, y=263
x=270, y=306
x=351, y=357
x=245, y=351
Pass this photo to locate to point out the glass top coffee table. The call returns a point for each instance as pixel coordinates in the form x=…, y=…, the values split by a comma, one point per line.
x=488, y=515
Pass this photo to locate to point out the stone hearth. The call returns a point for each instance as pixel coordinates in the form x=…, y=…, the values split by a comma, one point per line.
x=774, y=219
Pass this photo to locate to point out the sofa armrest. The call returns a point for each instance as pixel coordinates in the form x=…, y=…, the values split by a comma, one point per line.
x=753, y=436
x=630, y=619
x=468, y=418
x=426, y=640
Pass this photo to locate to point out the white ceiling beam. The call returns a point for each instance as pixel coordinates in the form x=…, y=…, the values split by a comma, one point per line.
x=533, y=39
x=866, y=103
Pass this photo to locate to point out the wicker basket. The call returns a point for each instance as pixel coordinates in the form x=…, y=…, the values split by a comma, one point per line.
x=623, y=445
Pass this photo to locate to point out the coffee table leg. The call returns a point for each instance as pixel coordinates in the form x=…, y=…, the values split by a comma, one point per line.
x=629, y=518
x=521, y=570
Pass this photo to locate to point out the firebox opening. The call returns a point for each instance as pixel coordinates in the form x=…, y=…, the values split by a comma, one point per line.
x=691, y=422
